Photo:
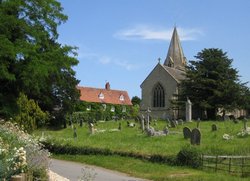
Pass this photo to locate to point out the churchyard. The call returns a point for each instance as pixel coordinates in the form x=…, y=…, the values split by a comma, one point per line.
x=125, y=140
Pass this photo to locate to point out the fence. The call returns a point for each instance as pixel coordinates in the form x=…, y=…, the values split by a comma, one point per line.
x=238, y=165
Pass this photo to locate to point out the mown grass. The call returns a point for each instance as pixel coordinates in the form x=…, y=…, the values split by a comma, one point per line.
x=148, y=170
x=133, y=140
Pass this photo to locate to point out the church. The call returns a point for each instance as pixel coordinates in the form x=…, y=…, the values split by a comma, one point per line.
x=160, y=86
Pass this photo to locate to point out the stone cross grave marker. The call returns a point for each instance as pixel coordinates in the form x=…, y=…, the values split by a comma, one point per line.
x=195, y=137
x=186, y=132
x=214, y=127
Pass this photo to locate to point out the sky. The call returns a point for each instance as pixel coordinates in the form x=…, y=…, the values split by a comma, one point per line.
x=120, y=41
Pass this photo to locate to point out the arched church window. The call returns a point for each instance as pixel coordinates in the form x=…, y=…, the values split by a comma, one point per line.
x=158, y=96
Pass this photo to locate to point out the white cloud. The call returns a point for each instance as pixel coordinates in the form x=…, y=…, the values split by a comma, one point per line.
x=144, y=32
x=125, y=65
x=104, y=60
x=86, y=54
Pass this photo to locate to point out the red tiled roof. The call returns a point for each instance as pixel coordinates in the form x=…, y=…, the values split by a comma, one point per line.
x=105, y=96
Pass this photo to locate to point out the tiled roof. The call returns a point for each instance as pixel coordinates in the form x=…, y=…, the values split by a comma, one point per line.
x=105, y=96
x=177, y=74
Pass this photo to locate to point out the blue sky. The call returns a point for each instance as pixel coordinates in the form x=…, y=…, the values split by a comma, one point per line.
x=120, y=41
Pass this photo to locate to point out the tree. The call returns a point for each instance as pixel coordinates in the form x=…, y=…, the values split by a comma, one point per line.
x=31, y=59
x=211, y=83
x=30, y=116
x=136, y=100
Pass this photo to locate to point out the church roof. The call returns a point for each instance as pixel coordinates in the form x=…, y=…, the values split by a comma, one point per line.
x=105, y=96
x=177, y=74
x=175, y=57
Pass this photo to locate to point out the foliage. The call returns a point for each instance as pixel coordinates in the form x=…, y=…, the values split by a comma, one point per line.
x=136, y=100
x=31, y=59
x=189, y=156
x=30, y=115
x=95, y=111
x=19, y=153
x=212, y=83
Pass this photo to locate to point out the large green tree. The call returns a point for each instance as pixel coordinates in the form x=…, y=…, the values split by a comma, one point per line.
x=212, y=83
x=32, y=60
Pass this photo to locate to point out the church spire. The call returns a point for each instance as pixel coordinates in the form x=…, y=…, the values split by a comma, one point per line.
x=175, y=57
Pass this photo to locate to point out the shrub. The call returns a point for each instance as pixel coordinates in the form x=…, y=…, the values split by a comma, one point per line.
x=19, y=153
x=30, y=115
x=189, y=156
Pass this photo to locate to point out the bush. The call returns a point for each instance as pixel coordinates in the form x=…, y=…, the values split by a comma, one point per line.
x=20, y=153
x=189, y=156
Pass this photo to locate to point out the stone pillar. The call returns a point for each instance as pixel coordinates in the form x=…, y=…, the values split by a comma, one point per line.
x=142, y=122
x=188, y=110
x=148, y=111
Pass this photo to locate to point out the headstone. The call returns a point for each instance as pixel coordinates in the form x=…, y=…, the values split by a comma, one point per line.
x=91, y=128
x=120, y=126
x=186, y=132
x=173, y=124
x=198, y=122
x=245, y=123
x=214, y=127
x=188, y=110
x=142, y=122
x=75, y=134
x=165, y=130
x=180, y=121
x=81, y=122
x=195, y=137
x=226, y=118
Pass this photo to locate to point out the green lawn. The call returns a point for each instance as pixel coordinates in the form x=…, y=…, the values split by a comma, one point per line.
x=148, y=170
x=133, y=140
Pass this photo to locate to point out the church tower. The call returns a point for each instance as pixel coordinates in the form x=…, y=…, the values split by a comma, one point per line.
x=161, y=85
x=175, y=57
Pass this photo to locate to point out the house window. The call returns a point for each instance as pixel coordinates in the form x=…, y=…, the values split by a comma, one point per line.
x=101, y=96
x=121, y=98
x=123, y=108
x=112, y=109
x=88, y=108
x=158, y=96
x=104, y=107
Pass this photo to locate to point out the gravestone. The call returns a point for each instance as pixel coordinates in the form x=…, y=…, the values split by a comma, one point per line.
x=180, y=121
x=186, y=132
x=188, y=110
x=91, y=128
x=245, y=123
x=195, y=137
x=214, y=127
x=120, y=126
x=81, y=122
x=75, y=134
x=198, y=122
x=173, y=124
x=142, y=122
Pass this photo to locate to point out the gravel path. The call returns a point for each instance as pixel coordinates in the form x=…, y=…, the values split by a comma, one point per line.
x=74, y=171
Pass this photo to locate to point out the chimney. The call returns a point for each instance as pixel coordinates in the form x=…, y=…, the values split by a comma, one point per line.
x=107, y=86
